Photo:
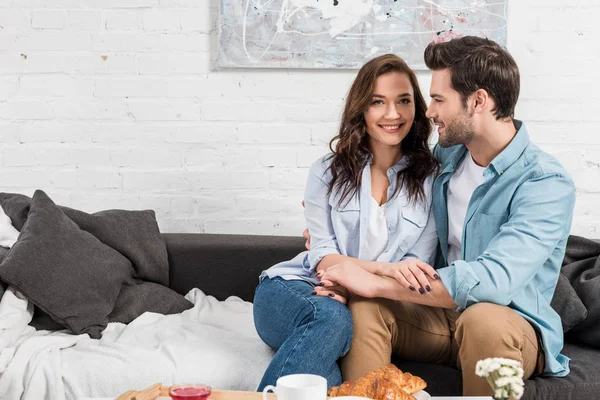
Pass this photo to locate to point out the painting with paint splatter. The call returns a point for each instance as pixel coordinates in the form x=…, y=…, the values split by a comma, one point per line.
x=346, y=33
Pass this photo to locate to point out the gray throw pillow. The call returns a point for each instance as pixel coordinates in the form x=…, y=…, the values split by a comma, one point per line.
x=134, y=234
x=584, y=275
x=138, y=297
x=16, y=206
x=66, y=272
x=568, y=305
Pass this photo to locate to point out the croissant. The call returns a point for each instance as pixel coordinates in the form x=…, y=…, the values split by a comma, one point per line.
x=384, y=383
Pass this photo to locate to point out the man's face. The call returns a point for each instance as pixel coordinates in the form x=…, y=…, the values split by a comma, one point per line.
x=455, y=123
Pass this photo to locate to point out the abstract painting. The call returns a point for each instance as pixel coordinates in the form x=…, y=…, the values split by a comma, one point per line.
x=346, y=33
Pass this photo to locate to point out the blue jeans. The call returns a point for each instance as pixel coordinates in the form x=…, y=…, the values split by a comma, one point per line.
x=310, y=333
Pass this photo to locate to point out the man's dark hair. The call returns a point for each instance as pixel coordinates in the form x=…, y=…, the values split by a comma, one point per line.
x=477, y=63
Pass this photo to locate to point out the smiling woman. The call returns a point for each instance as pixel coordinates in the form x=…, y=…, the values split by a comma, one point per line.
x=384, y=94
x=367, y=207
x=392, y=111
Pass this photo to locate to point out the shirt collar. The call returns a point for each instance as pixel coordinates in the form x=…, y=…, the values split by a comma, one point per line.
x=513, y=151
x=399, y=166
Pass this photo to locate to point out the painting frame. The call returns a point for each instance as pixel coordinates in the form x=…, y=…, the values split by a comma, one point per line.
x=317, y=34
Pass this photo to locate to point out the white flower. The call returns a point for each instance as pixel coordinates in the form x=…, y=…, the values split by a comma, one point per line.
x=507, y=362
x=505, y=376
x=506, y=371
x=493, y=366
x=517, y=390
x=507, y=380
x=501, y=382
x=481, y=368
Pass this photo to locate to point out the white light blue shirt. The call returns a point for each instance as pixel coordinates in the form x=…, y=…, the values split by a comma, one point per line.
x=514, y=237
x=342, y=229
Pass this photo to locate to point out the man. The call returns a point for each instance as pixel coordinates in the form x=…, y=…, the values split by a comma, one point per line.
x=503, y=210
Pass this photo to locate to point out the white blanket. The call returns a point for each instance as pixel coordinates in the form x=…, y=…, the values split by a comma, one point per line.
x=8, y=233
x=213, y=342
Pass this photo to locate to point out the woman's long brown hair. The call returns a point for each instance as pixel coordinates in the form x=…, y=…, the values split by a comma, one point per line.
x=352, y=148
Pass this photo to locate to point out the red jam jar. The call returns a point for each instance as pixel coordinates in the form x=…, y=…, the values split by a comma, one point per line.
x=189, y=392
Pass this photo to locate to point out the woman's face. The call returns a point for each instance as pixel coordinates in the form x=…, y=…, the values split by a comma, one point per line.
x=392, y=110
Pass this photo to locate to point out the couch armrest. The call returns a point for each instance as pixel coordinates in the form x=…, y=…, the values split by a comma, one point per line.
x=225, y=265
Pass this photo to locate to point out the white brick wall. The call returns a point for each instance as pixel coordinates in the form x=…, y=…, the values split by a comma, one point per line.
x=116, y=103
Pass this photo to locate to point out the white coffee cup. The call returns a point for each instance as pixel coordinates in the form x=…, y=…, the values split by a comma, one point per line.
x=299, y=387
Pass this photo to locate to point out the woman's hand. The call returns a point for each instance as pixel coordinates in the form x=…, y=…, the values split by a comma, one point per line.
x=412, y=274
x=336, y=292
x=352, y=277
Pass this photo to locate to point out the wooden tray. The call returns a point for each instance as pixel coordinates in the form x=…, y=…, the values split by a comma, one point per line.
x=235, y=395
x=152, y=392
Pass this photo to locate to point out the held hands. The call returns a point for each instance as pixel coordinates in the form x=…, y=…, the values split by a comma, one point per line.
x=347, y=276
x=351, y=277
x=412, y=274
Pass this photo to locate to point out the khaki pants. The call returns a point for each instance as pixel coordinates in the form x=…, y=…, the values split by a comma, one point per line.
x=435, y=335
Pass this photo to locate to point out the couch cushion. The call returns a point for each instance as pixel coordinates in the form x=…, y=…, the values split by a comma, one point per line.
x=583, y=383
x=225, y=265
x=78, y=287
x=582, y=268
x=441, y=380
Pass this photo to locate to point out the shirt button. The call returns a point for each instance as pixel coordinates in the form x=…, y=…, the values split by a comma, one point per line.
x=389, y=227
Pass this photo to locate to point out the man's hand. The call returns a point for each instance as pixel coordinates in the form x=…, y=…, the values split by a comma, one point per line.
x=306, y=235
x=410, y=274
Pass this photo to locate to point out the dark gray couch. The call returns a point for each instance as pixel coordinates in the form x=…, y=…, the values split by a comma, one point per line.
x=227, y=265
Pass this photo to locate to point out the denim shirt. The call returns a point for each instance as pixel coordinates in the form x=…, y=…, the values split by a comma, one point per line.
x=336, y=229
x=514, y=237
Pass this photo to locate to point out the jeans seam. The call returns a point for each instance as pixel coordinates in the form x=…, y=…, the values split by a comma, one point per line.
x=305, y=330
x=346, y=350
x=297, y=293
